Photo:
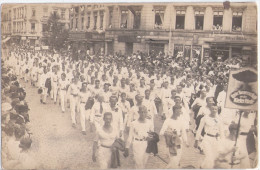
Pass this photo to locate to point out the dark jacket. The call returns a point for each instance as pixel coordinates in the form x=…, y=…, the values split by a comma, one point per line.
x=119, y=144
x=173, y=142
x=152, y=143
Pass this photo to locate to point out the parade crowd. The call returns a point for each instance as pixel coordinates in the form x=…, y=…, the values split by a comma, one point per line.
x=120, y=98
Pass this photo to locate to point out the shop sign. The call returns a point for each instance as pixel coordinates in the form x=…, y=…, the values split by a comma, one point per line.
x=23, y=38
x=32, y=38
x=242, y=89
x=45, y=47
x=37, y=48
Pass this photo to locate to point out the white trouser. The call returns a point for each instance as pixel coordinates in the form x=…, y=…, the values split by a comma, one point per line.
x=73, y=102
x=241, y=143
x=210, y=148
x=175, y=160
x=63, y=94
x=84, y=114
x=44, y=94
x=54, y=91
x=104, y=157
x=140, y=155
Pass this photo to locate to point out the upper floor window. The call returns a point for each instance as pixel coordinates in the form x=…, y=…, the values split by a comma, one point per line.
x=32, y=27
x=101, y=14
x=62, y=16
x=199, y=20
x=137, y=19
x=76, y=10
x=82, y=23
x=76, y=24
x=45, y=11
x=218, y=20
x=33, y=12
x=159, y=19
x=14, y=13
x=110, y=18
x=95, y=20
x=237, y=21
x=124, y=15
x=180, y=19
x=88, y=22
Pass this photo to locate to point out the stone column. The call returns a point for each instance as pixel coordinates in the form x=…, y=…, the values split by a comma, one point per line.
x=189, y=19
x=227, y=20
x=208, y=19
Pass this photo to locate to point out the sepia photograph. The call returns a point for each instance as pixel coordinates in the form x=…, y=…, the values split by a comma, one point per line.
x=129, y=85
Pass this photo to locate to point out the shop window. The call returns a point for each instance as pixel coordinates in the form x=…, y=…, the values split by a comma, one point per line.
x=82, y=23
x=124, y=15
x=137, y=20
x=218, y=20
x=178, y=51
x=180, y=19
x=156, y=48
x=237, y=21
x=199, y=20
x=101, y=19
x=95, y=21
x=159, y=19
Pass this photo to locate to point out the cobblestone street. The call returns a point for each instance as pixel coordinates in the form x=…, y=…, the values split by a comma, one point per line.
x=56, y=145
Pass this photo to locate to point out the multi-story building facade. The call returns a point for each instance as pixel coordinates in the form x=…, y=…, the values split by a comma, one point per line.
x=26, y=23
x=189, y=29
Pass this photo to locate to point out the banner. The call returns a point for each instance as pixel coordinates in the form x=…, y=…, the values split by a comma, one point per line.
x=45, y=47
x=242, y=89
x=37, y=48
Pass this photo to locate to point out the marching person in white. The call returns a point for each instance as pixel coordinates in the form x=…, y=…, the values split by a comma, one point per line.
x=54, y=84
x=42, y=81
x=175, y=125
x=125, y=107
x=74, y=91
x=84, y=114
x=105, y=137
x=150, y=105
x=63, y=87
x=138, y=135
x=213, y=133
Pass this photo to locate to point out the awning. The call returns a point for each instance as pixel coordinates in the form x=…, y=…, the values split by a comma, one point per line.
x=232, y=43
x=5, y=40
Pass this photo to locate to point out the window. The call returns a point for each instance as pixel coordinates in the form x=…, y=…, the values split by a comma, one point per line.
x=55, y=12
x=101, y=19
x=95, y=20
x=76, y=26
x=82, y=23
x=124, y=14
x=44, y=27
x=237, y=21
x=76, y=10
x=14, y=14
x=71, y=24
x=88, y=23
x=110, y=18
x=14, y=27
x=180, y=19
x=199, y=20
x=33, y=12
x=217, y=20
x=45, y=11
x=62, y=14
x=32, y=27
x=159, y=19
x=137, y=20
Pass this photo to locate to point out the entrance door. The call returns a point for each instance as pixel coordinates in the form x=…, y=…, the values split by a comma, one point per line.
x=128, y=48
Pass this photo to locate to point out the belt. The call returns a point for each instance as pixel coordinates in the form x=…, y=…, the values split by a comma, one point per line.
x=212, y=135
x=83, y=102
x=63, y=89
x=74, y=95
x=105, y=146
x=98, y=115
x=140, y=139
x=244, y=133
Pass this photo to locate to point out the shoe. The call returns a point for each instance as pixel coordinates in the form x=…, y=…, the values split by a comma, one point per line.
x=63, y=111
x=44, y=102
x=54, y=102
x=84, y=132
x=73, y=125
x=41, y=100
